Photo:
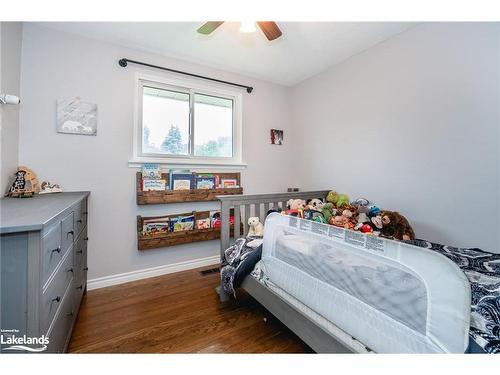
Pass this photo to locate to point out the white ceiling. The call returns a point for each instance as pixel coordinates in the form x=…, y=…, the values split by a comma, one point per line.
x=304, y=50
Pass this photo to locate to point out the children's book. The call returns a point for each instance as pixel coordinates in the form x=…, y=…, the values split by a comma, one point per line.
x=182, y=181
x=151, y=171
x=182, y=223
x=153, y=185
x=229, y=183
x=205, y=182
x=203, y=223
x=156, y=226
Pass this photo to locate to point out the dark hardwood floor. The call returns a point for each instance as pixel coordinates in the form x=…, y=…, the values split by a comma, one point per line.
x=177, y=313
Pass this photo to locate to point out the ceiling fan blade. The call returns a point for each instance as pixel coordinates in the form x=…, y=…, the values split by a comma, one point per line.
x=209, y=27
x=270, y=30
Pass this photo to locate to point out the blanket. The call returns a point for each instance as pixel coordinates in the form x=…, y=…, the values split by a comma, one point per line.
x=483, y=271
x=238, y=261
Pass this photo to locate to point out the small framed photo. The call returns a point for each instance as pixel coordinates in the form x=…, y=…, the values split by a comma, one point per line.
x=276, y=137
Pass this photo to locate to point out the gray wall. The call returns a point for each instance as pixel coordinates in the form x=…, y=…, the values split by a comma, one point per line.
x=58, y=65
x=412, y=123
x=10, y=70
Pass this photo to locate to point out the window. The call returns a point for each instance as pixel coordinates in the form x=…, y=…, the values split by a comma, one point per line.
x=195, y=125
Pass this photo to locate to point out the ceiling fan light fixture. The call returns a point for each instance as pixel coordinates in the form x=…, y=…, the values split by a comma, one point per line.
x=248, y=27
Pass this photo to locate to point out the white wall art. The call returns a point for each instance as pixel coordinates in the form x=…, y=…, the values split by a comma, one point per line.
x=76, y=117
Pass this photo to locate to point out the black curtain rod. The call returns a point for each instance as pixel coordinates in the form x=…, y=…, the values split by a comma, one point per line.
x=123, y=63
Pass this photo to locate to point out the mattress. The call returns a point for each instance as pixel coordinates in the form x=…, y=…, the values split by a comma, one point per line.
x=392, y=297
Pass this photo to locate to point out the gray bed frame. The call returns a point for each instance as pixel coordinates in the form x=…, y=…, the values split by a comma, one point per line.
x=245, y=206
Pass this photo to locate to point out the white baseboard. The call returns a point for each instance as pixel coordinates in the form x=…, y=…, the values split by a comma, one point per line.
x=102, y=282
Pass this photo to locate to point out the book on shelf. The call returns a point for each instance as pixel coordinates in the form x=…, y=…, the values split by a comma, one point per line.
x=182, y=223
x=204, y=181
x=155, y=226
x=181, y=180
x=203, y=223
x=151, y=171
x=153, y=185
x=227, y=183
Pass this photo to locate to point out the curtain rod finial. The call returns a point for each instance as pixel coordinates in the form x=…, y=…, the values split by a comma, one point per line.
x=122, y=63
x=249, y=90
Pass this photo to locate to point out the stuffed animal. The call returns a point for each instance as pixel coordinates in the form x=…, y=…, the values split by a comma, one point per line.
x=296, y=204
x=328, y=211
x=347, y=219
x=396, y=226
x=315, y=204
x=361, y=202
x=373, y=211
x=314, y=215
x=363, y=218
x=342, y=200
x=338, y=221
x=256, y=228
x=337, y=199
x=332, y=197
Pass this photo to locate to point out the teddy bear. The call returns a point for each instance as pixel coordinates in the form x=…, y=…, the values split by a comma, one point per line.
x=256, y=228
x=395, y=226
x=296, y=204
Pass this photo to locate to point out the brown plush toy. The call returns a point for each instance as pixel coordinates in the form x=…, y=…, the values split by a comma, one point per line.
x=396, y=226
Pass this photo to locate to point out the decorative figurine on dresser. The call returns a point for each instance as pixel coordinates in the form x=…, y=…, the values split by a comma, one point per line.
x=43, y=267
x=25, y=185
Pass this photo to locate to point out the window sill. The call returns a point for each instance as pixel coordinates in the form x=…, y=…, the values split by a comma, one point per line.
x=196, y=164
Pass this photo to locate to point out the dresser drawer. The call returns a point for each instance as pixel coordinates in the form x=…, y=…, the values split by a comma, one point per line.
x=80, y=281
x=61, y=328
x=52, y=296
x=67, y=232
x=80, y=212
x=52, y=252
x=80, y=248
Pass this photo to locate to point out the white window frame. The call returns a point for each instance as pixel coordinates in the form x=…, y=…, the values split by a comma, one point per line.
x=190, y=86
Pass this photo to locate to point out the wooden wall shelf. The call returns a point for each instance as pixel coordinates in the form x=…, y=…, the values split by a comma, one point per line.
x=178, y=238
x=179, y=196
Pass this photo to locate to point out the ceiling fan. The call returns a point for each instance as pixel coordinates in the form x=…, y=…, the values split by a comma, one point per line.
x=269, y=28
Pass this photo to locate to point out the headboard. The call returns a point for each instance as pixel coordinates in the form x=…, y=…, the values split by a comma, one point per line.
x=247, y=205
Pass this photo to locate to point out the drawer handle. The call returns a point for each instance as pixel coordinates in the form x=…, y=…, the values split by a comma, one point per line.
x=69, y=314
x=72, y=232
x=79, y=252
x=80, y=287
x=57, y=299
x=86, y=269
x=79, y=221
x=86, y=239
x=71, y=270
x=85, y=213
x=57, y=250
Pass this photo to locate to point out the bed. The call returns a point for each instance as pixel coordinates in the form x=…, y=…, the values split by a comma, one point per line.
x=341, y=291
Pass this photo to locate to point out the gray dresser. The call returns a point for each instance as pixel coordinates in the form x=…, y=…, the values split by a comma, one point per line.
x=43, y=267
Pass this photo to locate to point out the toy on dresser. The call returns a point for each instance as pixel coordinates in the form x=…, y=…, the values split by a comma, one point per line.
x=25, y=184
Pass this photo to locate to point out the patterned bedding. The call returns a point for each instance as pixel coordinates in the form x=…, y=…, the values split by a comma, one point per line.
x=483, y=271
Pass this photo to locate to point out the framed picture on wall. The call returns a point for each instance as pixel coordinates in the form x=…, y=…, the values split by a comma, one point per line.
x=276, y=137
x=76, y=117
